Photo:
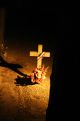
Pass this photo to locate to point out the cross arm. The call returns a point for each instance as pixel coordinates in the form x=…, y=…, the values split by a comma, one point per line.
x=47, y=54
x=33, y=53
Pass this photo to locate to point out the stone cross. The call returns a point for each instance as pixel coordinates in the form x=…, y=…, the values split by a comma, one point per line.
x=39, y=55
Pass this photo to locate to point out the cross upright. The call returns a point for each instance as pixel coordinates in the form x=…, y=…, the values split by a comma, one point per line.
x=39, y=55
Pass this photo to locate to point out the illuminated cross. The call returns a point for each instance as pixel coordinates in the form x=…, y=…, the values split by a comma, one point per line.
x=39, y=55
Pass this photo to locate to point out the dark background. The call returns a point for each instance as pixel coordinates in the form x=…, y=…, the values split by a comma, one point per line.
x=30, y=27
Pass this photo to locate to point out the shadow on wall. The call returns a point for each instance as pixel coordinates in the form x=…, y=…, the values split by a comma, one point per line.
x=24, y=80
x=13, y=67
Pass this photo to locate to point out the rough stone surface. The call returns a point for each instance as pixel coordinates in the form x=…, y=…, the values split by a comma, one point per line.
x=22, y=103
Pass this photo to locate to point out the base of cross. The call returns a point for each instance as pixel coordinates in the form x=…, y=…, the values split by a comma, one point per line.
x=36, y=77
x=38, y=74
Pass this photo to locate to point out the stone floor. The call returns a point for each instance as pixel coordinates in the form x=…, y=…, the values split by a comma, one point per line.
x=22, y=103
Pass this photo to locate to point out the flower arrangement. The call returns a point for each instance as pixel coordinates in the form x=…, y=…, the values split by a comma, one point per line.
x=38, y=74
